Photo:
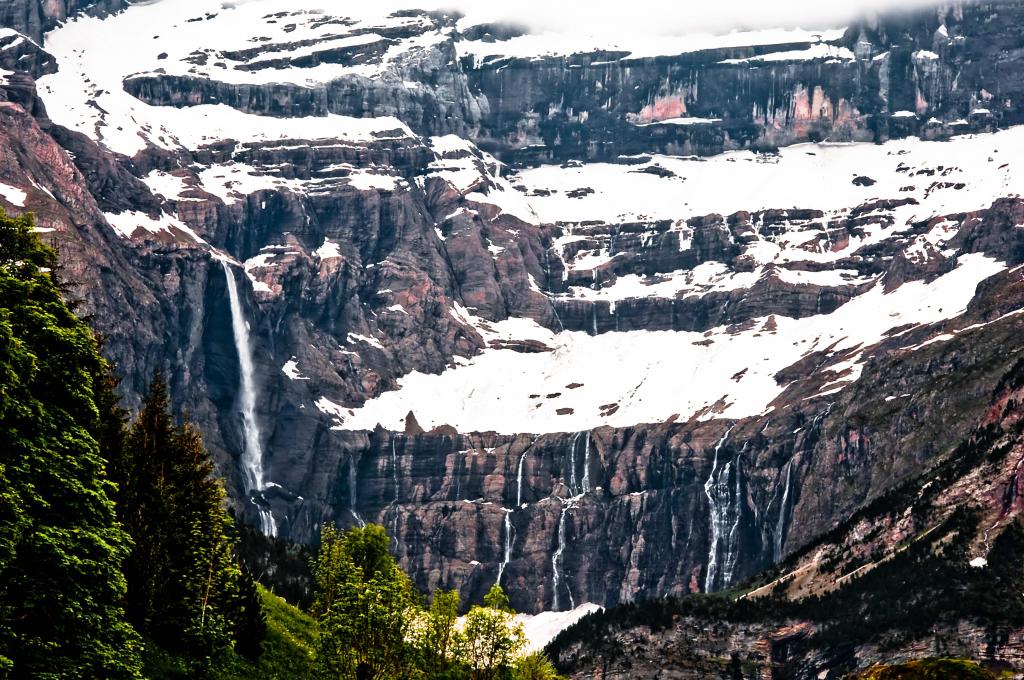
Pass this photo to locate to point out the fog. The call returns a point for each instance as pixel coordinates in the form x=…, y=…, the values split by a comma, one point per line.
x=664, y=17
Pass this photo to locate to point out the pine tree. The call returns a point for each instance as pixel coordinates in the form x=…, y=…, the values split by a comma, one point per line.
x=61, y=548
x=187, y=592
x=250, y=621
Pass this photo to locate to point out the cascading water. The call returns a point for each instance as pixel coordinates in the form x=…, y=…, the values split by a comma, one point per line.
x=586, y=464
x=718, y=501
x=508, y=545
x=395, y=510
x=780, y=528
x=252, y=456
x=353, y=469
x=509, y=536
x=547, y=284
x=572, y=464
x=732, y=542
x=556, y=562
x=394, y=471
x=519, y=480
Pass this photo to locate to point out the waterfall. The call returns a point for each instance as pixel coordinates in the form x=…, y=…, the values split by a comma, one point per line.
x=780, y=528
x=353, y=469
x=732, y=542
x=556, y=562
x=719, y=510
x=252, y=456
x=572, y=464
x=394, y=471
x=554, y=310
x=519, y=480
x=398, y=491
x=586, y=464
x=593, y=319
x=508, y=546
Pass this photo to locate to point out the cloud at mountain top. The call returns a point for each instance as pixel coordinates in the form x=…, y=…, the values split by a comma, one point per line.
x=665, y=17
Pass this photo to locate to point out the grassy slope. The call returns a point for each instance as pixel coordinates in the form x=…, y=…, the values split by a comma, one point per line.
x=287, y=651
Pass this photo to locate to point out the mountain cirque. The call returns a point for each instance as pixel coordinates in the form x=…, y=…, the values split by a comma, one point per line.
x=611, y=324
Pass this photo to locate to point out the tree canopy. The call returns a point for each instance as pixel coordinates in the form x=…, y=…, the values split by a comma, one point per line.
x=61, y=547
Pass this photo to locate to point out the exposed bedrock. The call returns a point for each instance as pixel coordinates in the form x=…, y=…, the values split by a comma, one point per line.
x=929, y=73
x=440, y=102
x=652, y=509
x=35, y=17
x=371, y=269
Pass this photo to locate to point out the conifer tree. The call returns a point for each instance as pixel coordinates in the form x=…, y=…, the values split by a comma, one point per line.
x=61, y=548
x=187, y=591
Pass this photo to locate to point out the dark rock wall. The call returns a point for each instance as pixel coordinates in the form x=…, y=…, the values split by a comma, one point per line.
x=34, y=17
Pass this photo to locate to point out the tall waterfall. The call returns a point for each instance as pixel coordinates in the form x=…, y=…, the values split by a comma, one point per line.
x=556, y=562
x=252, y=456
x=519, y=480
x=732, y=547
x=780, y=528
x=353, y=496
x=394, y=471
x=572, y=464
x=716, y=488
x=508, y=546
x=586, y=464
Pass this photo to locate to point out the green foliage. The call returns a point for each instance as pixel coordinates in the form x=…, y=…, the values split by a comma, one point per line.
x=186, y=590
x=288, y=650
x=440, y=640
x=493, y=640
x=372, y=624
x=535, y=666
x=61, y=548
x=365, y=606
x=290, y=647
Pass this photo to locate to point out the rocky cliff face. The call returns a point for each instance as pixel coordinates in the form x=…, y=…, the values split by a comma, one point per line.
x=33, y=18
x=933, y=74
x=955, y=528
x=594, y=381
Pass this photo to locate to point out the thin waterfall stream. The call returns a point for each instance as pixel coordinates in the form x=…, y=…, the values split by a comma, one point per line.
x=714, y=489
x=252, y=456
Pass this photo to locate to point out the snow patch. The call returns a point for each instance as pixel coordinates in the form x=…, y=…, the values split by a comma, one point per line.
x=291, y=369
x=128, y=223
x=653, y=375
x=373, y=342
x=541, y=629
x=328, y=250
x=13, y=195
x=818, y=51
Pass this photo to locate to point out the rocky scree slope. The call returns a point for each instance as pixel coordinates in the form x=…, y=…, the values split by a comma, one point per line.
x=606, y=381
